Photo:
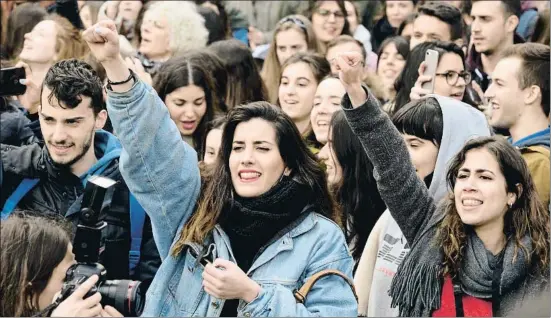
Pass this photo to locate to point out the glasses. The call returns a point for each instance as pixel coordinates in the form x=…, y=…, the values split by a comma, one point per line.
x=294, y=21
x=326, y=13
x=452, y=77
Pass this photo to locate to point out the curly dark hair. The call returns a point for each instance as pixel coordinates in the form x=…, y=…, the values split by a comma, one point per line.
x=71, y=79
x=526, y=217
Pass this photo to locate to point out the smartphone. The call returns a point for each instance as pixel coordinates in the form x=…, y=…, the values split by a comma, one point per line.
x=431, y=63
x=10, y=81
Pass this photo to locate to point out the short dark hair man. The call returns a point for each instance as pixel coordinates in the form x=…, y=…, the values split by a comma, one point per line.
x=519, y=101
x=437, y=21
x=51, y=178
x=492, y=32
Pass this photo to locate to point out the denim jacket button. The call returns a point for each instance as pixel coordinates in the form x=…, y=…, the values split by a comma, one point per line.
x=247, y=314
x=190, y=268
x=215, y=304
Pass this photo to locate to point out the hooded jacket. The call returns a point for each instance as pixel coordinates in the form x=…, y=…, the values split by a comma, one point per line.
x=535, y=151
x=60, y=192
x=461, y=122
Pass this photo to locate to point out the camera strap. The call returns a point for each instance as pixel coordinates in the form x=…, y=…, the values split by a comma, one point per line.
x=47, y=312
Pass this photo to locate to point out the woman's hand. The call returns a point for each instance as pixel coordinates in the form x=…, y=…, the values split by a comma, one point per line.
x=76, y=306
x=103, y=41
x=418, y=92
x=31, y=99
x=351, y=71
x=225, y=280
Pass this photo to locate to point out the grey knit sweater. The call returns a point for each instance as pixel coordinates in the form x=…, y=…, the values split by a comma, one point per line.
x=410, y=203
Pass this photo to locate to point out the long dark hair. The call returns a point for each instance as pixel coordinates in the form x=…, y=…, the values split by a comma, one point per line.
x=356, y=193
x=526, y=217
x=410, y=73
x=32, y=247
x=245, y=84
x=213, y=65
x=181, y=71
x=294, y=152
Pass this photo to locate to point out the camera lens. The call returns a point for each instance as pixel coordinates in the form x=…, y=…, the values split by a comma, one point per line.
x=126, y=296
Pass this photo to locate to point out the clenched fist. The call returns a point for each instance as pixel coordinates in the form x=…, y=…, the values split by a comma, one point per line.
x=351, y=68
x=103, y=40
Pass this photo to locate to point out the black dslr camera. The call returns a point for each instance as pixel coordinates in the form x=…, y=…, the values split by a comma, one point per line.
x=126, y=296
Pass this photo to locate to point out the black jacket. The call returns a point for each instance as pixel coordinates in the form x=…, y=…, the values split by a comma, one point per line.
x=14, y=129
x=60, y=192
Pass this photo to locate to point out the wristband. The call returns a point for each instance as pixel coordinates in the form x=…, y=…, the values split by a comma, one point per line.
x=109, y=83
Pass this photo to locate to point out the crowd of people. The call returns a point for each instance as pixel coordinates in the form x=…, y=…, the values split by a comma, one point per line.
x=277, y=158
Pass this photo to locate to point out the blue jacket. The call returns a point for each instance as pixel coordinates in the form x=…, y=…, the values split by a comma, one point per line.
x=162, y=172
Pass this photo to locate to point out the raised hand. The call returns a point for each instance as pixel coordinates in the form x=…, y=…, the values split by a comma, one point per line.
x=103, y=40
x=31, y=99
x=351, y=70
x=417, y=91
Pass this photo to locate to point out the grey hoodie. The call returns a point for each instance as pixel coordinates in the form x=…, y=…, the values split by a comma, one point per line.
x=461, y=122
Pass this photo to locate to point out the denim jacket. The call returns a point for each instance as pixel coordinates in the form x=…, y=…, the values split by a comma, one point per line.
x=162, y=172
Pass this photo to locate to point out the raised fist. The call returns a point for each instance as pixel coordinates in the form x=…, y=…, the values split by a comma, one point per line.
x=351, y=68
x=103, y=40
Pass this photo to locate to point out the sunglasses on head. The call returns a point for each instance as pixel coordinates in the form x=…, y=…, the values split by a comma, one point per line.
x=295, y=21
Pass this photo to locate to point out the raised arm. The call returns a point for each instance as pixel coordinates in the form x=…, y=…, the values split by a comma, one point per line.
x=405, y=195
x=159, y=168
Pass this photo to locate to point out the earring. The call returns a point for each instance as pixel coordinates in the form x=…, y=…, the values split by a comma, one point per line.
x=510, y=205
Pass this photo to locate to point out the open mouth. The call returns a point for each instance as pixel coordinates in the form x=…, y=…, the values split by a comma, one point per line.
x=249, y=176
x=290, y=101
x=469, y=203
x=61, y=148
x=189, y=124
x=457, y=95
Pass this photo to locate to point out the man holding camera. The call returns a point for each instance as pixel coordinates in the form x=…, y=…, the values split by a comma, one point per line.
x=51, y=179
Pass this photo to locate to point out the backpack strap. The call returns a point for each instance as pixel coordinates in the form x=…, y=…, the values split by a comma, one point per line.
x=22, y=189
x=137, y=221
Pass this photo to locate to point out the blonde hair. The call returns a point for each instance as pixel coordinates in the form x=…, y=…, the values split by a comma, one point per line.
x=69, y=43
x=271, y=71
x=187, y=29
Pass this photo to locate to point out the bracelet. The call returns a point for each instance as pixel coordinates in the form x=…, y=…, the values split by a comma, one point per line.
x=109, y=83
